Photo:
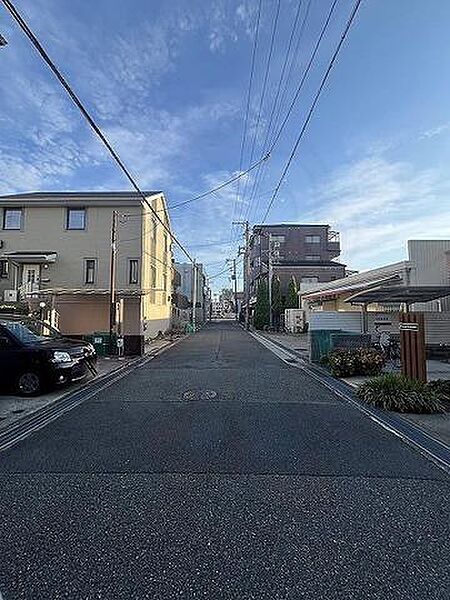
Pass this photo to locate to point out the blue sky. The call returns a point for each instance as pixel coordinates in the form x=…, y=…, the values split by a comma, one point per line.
x=167, y=81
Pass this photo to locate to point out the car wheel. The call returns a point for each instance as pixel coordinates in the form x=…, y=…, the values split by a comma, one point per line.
x=29, y=383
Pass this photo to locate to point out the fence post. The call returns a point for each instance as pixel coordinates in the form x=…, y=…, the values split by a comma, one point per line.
x=412, y=345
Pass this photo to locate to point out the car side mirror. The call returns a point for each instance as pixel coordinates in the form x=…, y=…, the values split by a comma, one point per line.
x=4, y=341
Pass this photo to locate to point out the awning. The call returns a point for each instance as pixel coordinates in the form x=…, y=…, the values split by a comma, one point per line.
x=400, y=294
x=37, y=257
x=338, y=290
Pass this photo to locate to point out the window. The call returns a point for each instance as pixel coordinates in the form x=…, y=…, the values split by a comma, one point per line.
x=76, y=218
x=312, y=257
x=133, y=270
x=154, y=228
x=12, y=218
x=4, y=273
x=152, y=283
x=278, y=238
x=312, y=239
x=164, y=295
x=4, y=270
x=166, y=243
x=90, y=265
x=310, y=280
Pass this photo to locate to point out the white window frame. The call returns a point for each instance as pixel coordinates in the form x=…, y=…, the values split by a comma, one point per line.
x=86, y=271
x=75, y=209
x=131, y=262
x=5, y=218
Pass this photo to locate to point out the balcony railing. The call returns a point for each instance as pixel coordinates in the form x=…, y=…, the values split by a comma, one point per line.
x=28, y=289
x=334, y=236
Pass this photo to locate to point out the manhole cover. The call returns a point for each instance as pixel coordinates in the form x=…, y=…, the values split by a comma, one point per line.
x=208, y=395
x=18, y=410
x=190, y=395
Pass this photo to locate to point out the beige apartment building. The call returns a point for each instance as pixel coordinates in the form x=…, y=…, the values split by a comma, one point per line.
x=55, y=248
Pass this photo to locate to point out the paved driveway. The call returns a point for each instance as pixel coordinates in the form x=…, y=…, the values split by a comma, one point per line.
x=218, y=471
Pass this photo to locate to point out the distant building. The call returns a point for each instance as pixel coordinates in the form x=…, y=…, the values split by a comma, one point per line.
x=305, y=252
x=186, y=288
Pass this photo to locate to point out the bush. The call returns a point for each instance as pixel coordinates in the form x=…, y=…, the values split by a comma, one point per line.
x=355, y=361
x=441, y=387
x=400, y=394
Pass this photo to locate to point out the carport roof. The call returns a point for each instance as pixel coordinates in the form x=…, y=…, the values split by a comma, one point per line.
x=398, y=294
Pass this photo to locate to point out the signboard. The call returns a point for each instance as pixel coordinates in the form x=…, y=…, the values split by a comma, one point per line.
x=408, y=326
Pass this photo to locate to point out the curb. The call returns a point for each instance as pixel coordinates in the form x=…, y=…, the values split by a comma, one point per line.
x=38, y=419
x=413, y=435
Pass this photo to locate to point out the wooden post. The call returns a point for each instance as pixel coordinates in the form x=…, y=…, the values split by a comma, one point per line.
x=412, y=345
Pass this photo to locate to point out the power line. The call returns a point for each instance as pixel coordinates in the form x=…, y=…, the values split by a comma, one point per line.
x=313, y=105
x=222, y=185
x=263, y=91
x=26, y=29
x=256, y=183
x=247, y=109
x=293, y=60
x=305, y=75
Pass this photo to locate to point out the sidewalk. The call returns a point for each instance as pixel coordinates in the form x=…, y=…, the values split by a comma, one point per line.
x=13, y=408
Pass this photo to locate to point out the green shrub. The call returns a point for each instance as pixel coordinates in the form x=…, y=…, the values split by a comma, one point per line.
x=441, y=387
x=400, y=394
x=355, y=361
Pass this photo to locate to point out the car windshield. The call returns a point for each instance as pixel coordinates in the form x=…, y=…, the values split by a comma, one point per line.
x=30, y=332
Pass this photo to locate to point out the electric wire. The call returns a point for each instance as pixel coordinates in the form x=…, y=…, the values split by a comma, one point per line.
x=313, y=106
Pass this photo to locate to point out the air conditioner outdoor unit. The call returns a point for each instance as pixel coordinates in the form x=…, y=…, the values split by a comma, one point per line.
x=10, y=296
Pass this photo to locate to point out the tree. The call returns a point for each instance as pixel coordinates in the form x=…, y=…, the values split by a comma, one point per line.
x=261, y=316
x=226, y=294
x=292, y=298
x=277, y=301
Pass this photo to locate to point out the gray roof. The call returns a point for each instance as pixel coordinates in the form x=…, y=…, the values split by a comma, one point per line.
x=119, y=195
x=297, y=225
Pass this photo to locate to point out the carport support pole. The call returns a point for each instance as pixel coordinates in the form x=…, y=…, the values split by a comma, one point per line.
x=112, y=281
x=365, y=326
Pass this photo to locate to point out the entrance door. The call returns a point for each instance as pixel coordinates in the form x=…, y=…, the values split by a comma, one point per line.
x=30, y=277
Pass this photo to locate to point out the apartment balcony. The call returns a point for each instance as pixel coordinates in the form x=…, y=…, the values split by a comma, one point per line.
x=334, y=244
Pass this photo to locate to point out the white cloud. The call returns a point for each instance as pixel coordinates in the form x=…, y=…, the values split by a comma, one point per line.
x=434, y=131
x=378, y=205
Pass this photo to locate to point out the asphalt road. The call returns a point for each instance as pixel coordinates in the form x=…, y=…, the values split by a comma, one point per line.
x=219, y=472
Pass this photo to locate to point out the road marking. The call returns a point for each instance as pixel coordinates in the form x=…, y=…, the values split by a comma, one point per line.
x=382, y=421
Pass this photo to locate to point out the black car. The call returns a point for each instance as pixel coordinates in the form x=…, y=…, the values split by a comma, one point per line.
x=34, y=356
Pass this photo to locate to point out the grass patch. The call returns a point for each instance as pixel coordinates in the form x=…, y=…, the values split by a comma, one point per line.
x=400, y=394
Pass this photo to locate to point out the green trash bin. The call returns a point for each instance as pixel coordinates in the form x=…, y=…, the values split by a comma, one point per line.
x=102, y=345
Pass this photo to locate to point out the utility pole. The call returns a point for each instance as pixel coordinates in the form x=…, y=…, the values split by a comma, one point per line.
x=194, y=292
x=270, y=281
x=235, y=290
x=246, y=270
x=112, y=280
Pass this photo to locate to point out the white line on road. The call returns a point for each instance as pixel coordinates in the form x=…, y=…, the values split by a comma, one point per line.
x=287, y=357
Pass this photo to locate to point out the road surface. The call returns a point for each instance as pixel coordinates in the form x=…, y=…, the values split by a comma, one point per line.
x=219, y=472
